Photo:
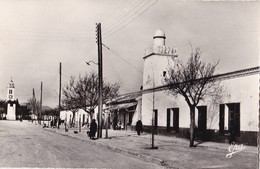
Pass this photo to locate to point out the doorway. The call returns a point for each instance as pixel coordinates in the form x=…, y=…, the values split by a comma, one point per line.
x=202, y=118
x=221, y=118
x=155, y=118
x=233, y=121
x=172, y=119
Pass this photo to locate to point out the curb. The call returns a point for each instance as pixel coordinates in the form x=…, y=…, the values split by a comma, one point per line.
x=220, y=148
x=159, y=160
x=116, y=149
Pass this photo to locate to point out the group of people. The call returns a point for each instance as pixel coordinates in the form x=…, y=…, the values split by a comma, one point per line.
x=93, y=128
x=118, y=125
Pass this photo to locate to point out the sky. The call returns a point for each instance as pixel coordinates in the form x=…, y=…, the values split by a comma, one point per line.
x=36, y=35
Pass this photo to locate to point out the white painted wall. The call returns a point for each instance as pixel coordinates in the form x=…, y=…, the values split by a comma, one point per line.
x=243, y=90
x=153, y=69
x=138, y=111
x=11, y=112
x=78, y=115
x=246, y=91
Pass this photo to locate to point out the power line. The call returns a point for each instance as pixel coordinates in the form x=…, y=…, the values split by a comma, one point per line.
x=122, y=58
x=116, y=13
x=122, y=17
x=44, y=38
x=119, y=28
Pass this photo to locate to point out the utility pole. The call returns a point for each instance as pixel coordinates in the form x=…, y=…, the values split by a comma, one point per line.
x=153, y=116
x=41, y=104
x=100, y=81
x=58, y=120
x=34, y=105
x=107, y=122
x=258, y=136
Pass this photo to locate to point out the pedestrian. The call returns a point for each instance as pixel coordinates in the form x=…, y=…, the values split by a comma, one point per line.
x=114, y=123
x=93, y=129
x=139, y=127
x=119, y=125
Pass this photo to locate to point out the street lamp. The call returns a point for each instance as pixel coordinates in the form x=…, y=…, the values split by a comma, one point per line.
x=88, y=63
x=100, y=104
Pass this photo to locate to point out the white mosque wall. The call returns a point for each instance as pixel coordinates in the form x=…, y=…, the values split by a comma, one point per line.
x=243, y=90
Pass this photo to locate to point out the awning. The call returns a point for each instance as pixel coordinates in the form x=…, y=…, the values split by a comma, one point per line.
x=121, y=106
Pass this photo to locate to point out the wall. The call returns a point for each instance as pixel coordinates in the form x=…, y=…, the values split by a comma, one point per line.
x=154, y=66
x=138, y=111
x=78, y=115
x=11, y=112
x=243, y=90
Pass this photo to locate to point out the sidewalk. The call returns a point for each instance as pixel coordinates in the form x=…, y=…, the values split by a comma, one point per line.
x=172, y=152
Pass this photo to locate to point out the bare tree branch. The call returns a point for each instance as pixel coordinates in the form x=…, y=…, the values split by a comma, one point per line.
x=83, y=93
x=192, y=81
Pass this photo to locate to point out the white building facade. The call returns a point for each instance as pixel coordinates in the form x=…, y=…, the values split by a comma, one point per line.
x=235, y=115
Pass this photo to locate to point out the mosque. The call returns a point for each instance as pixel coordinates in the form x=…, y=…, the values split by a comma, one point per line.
x=235, y=115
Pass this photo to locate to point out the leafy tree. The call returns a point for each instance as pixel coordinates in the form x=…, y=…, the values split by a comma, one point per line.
x=193, y=81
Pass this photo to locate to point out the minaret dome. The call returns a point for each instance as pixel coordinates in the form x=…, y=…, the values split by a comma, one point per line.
x=159, y=38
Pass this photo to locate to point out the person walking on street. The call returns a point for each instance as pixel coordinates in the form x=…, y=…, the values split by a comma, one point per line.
x=139, y=127
x=114, y=123
x=93, y=129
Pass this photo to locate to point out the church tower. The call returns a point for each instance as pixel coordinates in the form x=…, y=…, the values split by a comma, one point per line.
x=11, y=104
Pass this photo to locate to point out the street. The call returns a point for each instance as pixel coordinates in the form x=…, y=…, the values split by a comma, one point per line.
x=27, y=145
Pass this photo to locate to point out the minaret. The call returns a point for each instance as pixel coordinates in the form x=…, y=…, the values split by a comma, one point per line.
x=156, y=60
x=11, y=104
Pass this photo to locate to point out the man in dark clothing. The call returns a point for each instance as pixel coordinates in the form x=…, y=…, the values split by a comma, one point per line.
x=93, y=129
x=139, y=126
x=114, y=123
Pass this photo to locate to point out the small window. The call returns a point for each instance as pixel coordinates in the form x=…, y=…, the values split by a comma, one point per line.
x=10, y=91
x=164, y=73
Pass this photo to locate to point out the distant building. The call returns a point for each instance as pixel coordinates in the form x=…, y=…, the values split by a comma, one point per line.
x=11, y=103
x=80, y=116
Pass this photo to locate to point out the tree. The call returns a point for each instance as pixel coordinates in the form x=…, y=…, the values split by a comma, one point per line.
x=70, y=99
x=193, y=81
x=18, y=113
x=34, y=106
x=23, y=111
x=2, y=109
x=83, y=93
x=87, y=90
